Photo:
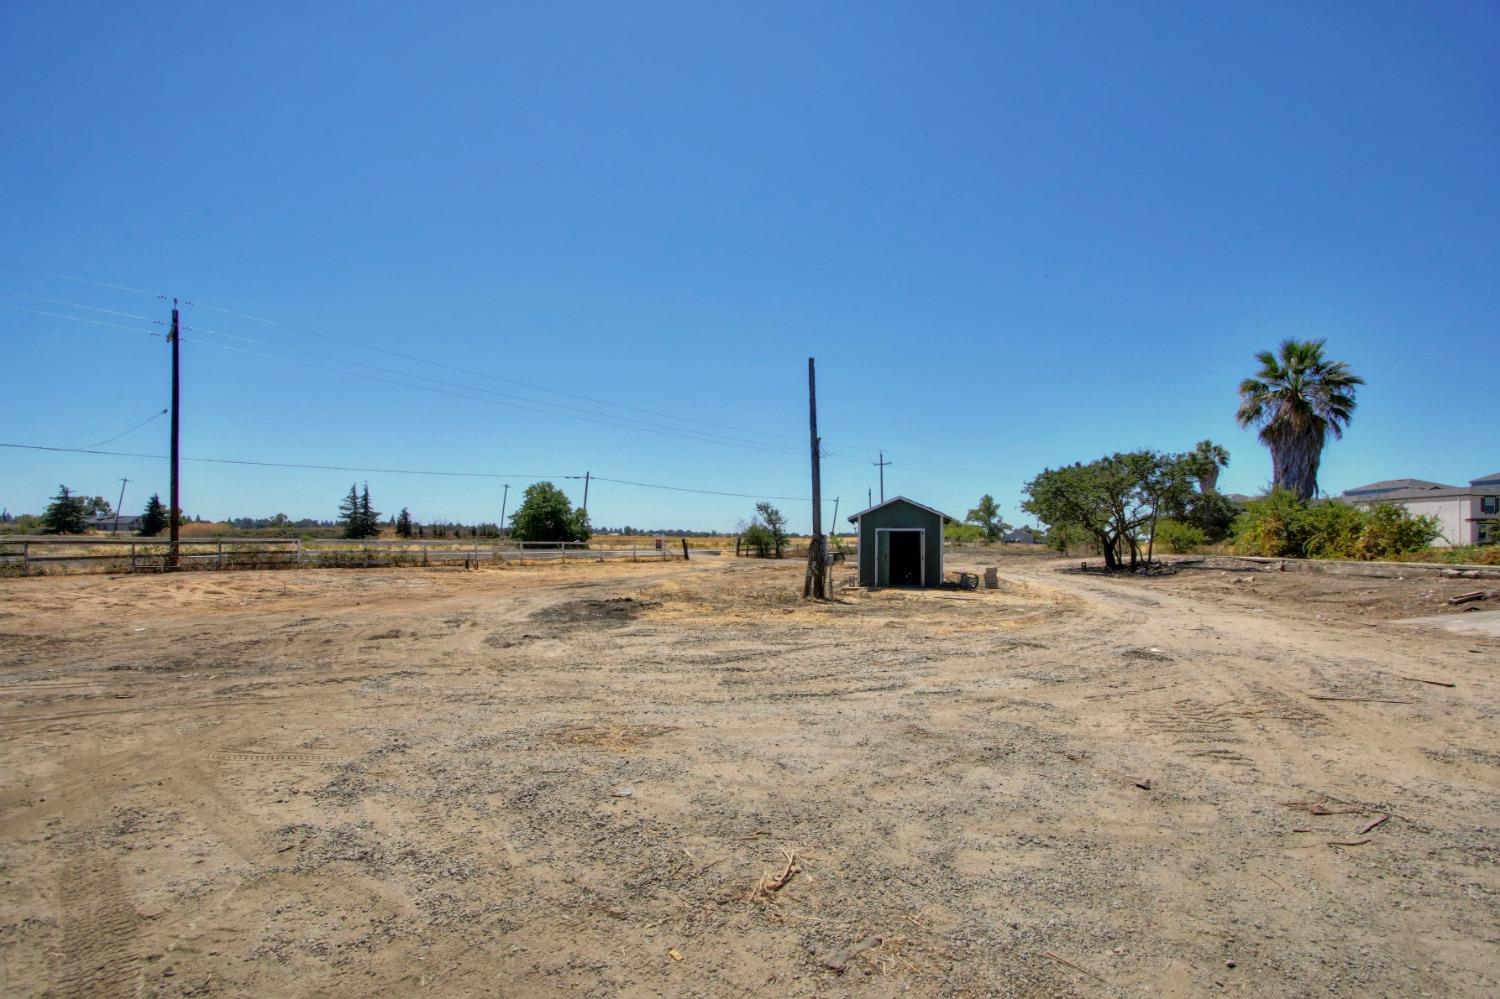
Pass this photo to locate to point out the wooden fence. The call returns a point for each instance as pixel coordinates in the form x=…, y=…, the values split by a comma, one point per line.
x=37, y=555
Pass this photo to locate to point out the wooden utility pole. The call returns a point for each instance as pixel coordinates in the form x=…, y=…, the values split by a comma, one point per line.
x=817, y=565
x=504, y=499
x=118, y=505
x=174, y=515
x=881, y=465
x=586, y=491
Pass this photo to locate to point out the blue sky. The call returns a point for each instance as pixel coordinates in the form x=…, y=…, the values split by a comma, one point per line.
x=1013, y=236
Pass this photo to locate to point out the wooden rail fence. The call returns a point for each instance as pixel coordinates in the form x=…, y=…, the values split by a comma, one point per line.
x=33, y=555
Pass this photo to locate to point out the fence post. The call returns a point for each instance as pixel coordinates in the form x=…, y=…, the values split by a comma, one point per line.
x=299, y=553
x=26, y=558
x=132, y=556
x=219, y=562
x=684, y=550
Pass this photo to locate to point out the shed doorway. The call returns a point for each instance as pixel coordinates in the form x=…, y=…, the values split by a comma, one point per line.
x=902, y=556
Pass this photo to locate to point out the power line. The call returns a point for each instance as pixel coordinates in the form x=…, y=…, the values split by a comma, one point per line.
x=81, y=319
x=592, y=416
x=604, y=419
x=80, y=280
x=916, y=464
x=402, y=471
x=110, y=440
x=283, y=464
x=78, y=305
x=480, y=374
x=704, y=492
x=557, y=409
x=683, y=434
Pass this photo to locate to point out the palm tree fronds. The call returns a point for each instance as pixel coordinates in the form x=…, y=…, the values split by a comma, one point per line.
x=1297, y=399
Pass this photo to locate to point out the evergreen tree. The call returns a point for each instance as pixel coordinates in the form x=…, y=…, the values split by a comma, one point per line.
x=64, y=515
x=369, y=519
x=349, y=514
x=154, y=519
x=403, y=524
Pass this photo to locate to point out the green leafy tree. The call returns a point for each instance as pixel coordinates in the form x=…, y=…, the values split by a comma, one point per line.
x=1297, y=399
x=98, y=506
x=774, y=523
x=986, y=516
x=1115, y=501
x=963, y=534
x=64, y=515
x=1208, y=459
x=546, y=514
x=758, y=538
x=154, y=518
x=403, y=524
x=1212, y=513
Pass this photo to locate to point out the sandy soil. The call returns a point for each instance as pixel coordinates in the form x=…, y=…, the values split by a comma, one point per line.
x=589, y=780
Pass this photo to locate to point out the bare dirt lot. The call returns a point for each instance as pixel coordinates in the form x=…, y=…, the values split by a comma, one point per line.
x=677, y=779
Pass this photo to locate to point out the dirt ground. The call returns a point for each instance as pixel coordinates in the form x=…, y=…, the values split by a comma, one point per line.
x=678, y=779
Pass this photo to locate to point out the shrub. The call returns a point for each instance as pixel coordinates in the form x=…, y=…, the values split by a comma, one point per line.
x=1177, y=538
x=759, y=537
x=1391, y=531
x=1331, y=530
x=1279, y=525
x=1271, y=526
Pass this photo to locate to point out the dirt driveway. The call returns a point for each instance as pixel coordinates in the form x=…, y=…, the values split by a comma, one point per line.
x=670, y=779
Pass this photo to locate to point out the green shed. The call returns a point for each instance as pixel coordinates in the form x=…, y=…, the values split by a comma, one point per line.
x=900, y=544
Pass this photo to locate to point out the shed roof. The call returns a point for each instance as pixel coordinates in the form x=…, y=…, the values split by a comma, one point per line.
x=854, y=517
x=1493, y=479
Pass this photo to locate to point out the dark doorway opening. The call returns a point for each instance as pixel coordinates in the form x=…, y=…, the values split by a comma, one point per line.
x=906, y=558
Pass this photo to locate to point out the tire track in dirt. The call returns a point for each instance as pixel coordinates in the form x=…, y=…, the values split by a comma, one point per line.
x=1199, y=729
x=99, y=955
x=252, y=757
x=1232, y=725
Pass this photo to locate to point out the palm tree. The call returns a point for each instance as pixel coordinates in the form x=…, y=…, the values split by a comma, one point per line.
x=1207, y=459
x=1297, y=399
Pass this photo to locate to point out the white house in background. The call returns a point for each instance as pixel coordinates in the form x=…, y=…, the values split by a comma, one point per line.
x=1467, y=515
